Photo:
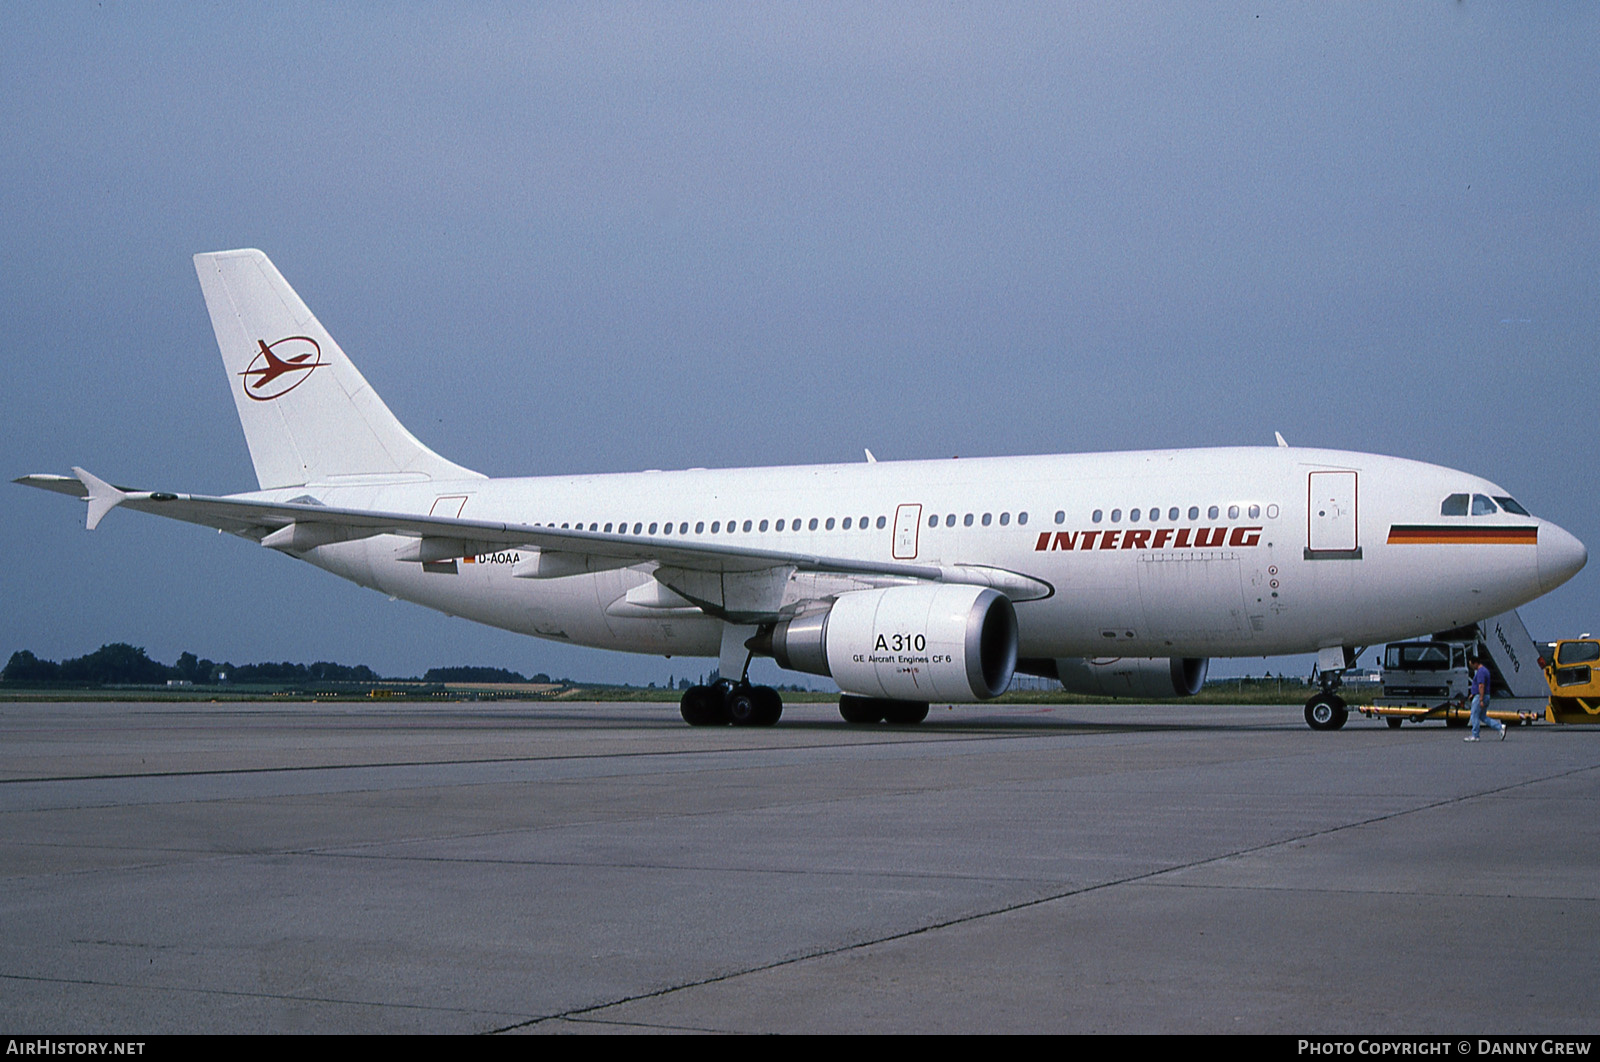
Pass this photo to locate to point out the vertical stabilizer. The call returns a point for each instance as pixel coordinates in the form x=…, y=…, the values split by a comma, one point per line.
x=309, y=416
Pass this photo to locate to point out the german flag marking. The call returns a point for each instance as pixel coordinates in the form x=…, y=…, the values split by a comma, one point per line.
x=1431, y=535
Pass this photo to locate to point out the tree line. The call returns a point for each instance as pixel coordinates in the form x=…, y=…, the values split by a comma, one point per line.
x=122, y=664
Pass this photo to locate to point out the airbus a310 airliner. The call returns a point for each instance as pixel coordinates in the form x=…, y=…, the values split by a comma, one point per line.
x=904, y=581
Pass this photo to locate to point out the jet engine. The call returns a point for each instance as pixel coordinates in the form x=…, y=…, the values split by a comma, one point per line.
x=1128, y=676
x=936, y=642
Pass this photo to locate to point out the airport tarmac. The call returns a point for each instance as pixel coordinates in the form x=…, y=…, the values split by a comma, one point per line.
x=581, y=868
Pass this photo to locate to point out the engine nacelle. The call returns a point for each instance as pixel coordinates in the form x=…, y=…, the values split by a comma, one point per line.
x=1133, y=676
x=939, y=642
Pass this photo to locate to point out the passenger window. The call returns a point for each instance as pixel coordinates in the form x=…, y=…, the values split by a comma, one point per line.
x=966, y=521
x=1482, y=506
x=1255, y=511
x=986, y=518
x=608, y=529
x=829, y=525
x=683, y=528
x=1510, y=505
x=813, y=524
x=1172, y=513
x=637, y=527
x=699, y=527
x=933, y=521
x=1233, y=512
x=950, y=520
x=1211, y=513
x=1133, y=517
x=747, y=525
x=882, y=522
x=653, y=528
x=1061, y=516
x=1155, y=514
x=846, y=525
x=667, y=529
x=1455, y=505
x=1194, y=512
x=862, y=523
x=1022, y=518
x=1005, y=518
x=1116, y=516
x=763, y=525
x=716, y=525
x=1272, y=512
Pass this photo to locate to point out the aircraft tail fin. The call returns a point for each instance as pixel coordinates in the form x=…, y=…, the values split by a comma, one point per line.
x=309, y=416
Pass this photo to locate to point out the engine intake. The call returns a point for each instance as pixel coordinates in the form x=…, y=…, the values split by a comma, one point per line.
x=940, y=642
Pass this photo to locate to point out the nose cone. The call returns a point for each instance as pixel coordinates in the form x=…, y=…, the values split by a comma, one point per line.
x=1561, y=556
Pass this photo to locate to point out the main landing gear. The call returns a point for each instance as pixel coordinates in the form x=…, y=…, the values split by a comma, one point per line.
x=727, y=702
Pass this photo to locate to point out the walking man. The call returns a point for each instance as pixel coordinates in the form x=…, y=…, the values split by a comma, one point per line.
x=1480, y=699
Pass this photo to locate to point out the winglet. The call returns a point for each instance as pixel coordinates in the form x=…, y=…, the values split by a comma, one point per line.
x=870, y=459
x=103, y=497
x=1279, y=436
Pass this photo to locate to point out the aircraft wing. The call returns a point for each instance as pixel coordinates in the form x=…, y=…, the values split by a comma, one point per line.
x=301, y=526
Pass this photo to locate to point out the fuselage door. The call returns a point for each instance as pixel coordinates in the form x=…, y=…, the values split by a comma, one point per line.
x=1331, y=515
x=907, y=525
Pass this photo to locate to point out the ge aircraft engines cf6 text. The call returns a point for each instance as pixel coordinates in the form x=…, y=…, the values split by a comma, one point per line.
x=904, y=581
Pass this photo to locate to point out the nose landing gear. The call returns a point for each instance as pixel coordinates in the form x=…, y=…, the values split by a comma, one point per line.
x=1326, y=710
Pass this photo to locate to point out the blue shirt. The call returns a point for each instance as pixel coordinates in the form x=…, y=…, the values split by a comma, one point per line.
x=1480, y=682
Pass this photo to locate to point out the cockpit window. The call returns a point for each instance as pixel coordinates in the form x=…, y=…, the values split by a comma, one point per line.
x=1482, y=506
x=1510, y=505
x=1455, y=505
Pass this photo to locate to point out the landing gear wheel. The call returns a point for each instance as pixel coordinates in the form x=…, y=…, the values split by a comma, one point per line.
x=702, y=706
x=770, y=706
x=741, y=706
x=860, y=709
x=904, y=713
x=1326, y=711
x=753, y=705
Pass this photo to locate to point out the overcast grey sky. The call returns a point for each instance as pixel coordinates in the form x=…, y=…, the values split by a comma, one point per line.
x=610, y=237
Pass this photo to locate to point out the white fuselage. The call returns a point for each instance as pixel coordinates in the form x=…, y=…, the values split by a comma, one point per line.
x=1234, y=552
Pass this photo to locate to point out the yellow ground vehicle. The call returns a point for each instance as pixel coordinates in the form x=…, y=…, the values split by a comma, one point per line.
x=1573, y=671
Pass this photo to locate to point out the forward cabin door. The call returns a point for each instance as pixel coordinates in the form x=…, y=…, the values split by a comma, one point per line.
x=1331, y=516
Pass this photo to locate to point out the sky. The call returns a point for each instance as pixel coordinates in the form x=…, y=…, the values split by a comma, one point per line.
x=608, y=237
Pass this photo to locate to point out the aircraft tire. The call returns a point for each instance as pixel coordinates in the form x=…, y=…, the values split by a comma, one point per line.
x=702, y=706
x=860, y=709
x=1326, y=711
x=742, y=706
x=769, y=706
x=904, y=713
